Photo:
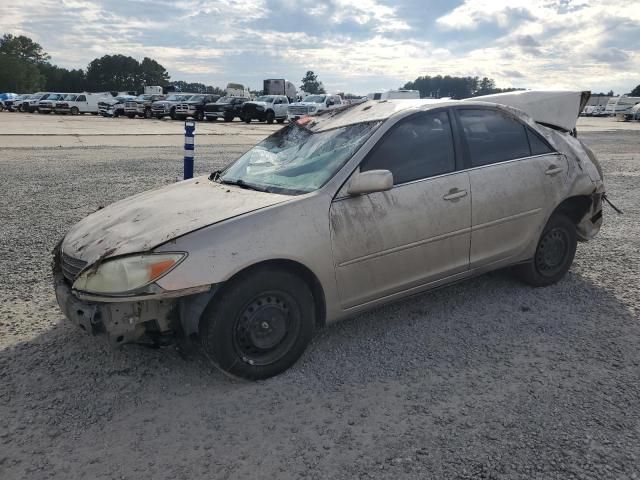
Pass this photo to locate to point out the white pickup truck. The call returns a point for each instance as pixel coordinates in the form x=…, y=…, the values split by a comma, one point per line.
x=313, y=104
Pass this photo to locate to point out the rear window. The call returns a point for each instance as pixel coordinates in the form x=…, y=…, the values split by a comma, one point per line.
x=538, y=145
x=493, y=136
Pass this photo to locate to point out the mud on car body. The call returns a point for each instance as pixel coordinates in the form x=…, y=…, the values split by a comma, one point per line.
x=332, y=216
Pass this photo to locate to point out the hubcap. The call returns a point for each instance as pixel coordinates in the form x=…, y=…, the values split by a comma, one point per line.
x=265, y=329
x=552, y=252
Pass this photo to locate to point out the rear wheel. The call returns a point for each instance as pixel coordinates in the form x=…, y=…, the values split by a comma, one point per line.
x=261, y=325
x=554, y=253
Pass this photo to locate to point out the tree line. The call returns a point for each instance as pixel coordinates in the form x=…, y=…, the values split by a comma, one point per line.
x=26, y=67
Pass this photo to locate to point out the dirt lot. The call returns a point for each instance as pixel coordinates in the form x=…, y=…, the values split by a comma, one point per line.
x=484, y=379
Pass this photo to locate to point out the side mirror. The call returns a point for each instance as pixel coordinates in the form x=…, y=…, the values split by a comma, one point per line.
x=370, y=182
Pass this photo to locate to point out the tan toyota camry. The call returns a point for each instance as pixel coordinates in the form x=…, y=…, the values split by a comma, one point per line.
x=333, y=215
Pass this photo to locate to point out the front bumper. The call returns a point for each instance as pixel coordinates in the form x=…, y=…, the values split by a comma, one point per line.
x=214, y=114
x=122, y=322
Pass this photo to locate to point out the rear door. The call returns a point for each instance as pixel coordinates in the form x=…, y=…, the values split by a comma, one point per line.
x=417, y=232
x=512, y=187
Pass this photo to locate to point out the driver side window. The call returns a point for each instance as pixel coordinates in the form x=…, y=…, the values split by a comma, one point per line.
x=418, y=147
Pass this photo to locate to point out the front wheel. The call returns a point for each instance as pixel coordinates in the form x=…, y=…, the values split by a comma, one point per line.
x=260, y=326
x=172, y=114
x=281, y=120
x=228, y=118
x=554, y=253
x=148, y=113
x=247, y=120
x=199, y=116
x=270, y=117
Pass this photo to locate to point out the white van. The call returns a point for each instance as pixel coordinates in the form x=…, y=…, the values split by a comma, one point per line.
x=76, y=103
x=394, y=95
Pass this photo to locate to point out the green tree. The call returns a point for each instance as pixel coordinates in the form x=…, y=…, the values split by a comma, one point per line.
x=195, y=87
x=636, y=92
x=20, y=76
x=23, y=48
x=114, y=72
x=153, y=73
x=310, y=84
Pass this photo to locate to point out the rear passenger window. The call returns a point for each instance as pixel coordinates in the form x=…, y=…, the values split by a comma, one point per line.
x=493, y=136
x=418, y=147
x=538, y=145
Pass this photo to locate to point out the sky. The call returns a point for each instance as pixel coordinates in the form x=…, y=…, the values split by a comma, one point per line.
x=356, y=46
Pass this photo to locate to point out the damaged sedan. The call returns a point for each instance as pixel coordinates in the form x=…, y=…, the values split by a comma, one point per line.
x=331, y=216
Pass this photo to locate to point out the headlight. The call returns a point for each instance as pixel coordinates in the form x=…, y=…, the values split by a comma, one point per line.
x=125, y=274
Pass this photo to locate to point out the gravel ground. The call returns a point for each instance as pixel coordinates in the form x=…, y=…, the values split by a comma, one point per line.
x=484, y=379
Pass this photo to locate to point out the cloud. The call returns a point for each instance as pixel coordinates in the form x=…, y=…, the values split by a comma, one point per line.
x=353, y=46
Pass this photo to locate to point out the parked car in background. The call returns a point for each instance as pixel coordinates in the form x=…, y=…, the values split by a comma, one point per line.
x=141, y=105
x=267, y=108
x=30, y=105
x=162, y=108
x=312, y=105
x=633, y=114
x=11, y=102
x=194, y=106
x=328, y=218
x=85, y=102
x=47, y=104
x=114, y=106
x=226, y=108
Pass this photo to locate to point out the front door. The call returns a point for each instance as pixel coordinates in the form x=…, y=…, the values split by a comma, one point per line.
x=417, y=232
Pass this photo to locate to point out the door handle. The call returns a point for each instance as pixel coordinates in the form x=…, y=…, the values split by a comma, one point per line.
x=455, y=194
x=553, y=170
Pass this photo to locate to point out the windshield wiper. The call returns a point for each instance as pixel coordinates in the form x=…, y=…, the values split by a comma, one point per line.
x=242, y=184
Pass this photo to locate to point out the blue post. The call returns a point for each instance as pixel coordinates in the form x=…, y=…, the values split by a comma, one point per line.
x=189, y=128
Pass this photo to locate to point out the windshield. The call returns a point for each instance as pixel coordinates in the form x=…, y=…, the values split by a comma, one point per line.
x=265, y=99
x=144, y=97
x=70, y=97
x=315, y=98
x=173, y=98
x=196, y=97
x=294, y=160
x=224, y=100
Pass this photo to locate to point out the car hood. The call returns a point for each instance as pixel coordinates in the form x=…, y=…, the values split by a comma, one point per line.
x=305, y=104
x=149, y=219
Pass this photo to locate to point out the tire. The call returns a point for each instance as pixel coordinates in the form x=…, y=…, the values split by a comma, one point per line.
x=554, y=253
x=280, y=121
x=247, y=120
x=228, y=118
x=172, y=114
x=74, y=111
x=199, y=116
x=148, y=113
x=261, y=326
x=270, y=117
x=116, y=114
x=131, y=116
x=159, y=117
x=1, y=107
